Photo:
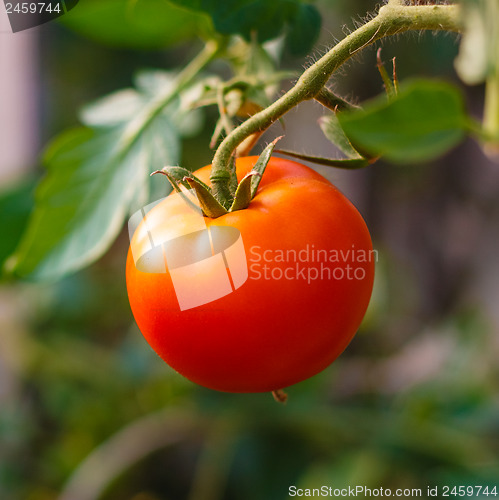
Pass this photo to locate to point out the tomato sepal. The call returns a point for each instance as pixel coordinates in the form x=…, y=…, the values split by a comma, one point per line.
x=178, y=176
x=209, y=204
x=243, y=195
x=261, y=165
x=171, y=173
x=240, y=194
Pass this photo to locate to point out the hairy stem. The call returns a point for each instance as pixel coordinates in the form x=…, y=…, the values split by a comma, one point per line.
x=332, y=101
x=392, y=18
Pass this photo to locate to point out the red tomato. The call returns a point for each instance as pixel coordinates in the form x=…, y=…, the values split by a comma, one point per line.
x=310, y=270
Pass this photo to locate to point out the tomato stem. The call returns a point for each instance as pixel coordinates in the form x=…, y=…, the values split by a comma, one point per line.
x=280, y=396
x=392, y=18
x=333, y=102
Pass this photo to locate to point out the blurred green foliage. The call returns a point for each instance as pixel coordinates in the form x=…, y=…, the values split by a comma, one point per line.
x=16, y=203
x=87, y=408
x=139, y=25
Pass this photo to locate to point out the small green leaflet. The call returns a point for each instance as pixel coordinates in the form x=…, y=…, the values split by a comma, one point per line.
x=426, y=119
x=332, y=129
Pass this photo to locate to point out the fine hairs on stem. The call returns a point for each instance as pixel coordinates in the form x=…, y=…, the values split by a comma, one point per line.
x=393, y=18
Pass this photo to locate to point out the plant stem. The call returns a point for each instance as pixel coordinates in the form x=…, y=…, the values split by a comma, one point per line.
x=392, y=19
x=491, y=114
x=332, y=101
x=491, y=107
x=211, y=49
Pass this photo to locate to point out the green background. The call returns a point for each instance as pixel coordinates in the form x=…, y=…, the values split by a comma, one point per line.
x=87, y=408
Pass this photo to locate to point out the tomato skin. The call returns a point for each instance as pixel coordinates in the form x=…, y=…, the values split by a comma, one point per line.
x=269, y=333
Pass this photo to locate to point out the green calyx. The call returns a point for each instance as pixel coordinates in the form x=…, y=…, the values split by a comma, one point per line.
x=238, y=196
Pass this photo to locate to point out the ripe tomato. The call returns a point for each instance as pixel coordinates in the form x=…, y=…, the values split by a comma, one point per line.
x=310, y=275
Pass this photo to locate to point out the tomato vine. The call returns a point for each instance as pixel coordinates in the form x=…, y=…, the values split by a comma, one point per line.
x=393, y=18
x=111, y=154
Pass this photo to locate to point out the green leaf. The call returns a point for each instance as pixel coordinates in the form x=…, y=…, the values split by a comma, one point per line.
x=112, y=109
x=241, y=16
x=425, y=119
x=125, y=104
x=268, y=19
x=260, y=16
x=153, y=81
x=16, y=204
x=334, y=132
x=136, y=24
x=160, y=145
x=304, y=30
x=90, y=188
